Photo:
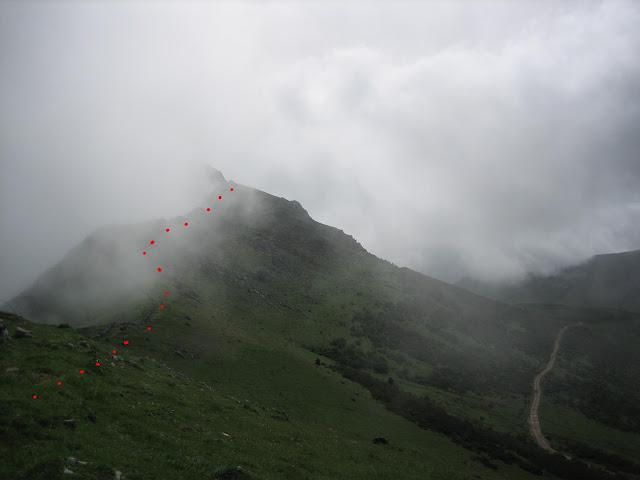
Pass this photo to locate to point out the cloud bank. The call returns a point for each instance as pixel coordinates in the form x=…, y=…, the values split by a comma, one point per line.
x=456, y=139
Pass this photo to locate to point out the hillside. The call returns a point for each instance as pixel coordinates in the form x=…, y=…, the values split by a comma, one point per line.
x=267, y=306
x=611, y=281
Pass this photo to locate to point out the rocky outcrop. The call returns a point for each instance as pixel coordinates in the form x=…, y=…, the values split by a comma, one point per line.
x=4, y=334
x=22, y=333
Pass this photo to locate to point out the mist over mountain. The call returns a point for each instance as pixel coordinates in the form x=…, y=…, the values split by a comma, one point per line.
x=248, y=274
x=610, y=280
x=473, y=139
x=158, y=320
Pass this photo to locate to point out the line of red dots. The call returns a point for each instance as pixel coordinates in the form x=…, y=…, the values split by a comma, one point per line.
x=126, y=342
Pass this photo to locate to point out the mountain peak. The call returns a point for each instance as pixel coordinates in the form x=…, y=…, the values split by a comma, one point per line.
x=215, y=175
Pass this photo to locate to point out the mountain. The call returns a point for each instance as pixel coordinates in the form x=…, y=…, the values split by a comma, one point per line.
x=324, y=360
x=611, y=281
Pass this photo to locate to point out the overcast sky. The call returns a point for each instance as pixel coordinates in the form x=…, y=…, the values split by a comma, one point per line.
x=482, y=139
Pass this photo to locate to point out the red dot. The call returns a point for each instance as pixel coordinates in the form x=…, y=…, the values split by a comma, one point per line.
x=159, y=269
x=152, y=242
x=220, y=197
x=98, y=364
x=161, y=306
x=81, y=371
x=186, y=224
x=126, y=342
x=114, y=351
x=35, y=396
x=148, y=328
x=232, y=189
x=59, y=383
x=167, y=229
x=208, y=209
x=144, y=253
x=166, y=293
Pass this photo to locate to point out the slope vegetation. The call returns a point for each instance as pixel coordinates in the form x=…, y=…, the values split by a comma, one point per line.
x=609, y=281
x=267, y=305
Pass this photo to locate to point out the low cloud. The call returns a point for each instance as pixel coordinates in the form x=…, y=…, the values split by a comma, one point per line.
x=457, y=140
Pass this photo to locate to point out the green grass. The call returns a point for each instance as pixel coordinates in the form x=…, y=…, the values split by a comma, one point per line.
x=152, y=423
x=261, y=293
x=560, y=424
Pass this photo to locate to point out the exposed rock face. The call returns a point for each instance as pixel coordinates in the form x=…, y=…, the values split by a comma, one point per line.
x=298, y=208
x=215, y=175
x=22, y=333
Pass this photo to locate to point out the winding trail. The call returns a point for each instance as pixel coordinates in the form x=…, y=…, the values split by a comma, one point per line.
x=533, y=417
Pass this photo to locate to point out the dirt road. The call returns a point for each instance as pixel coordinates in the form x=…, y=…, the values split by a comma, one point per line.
x=533, y=417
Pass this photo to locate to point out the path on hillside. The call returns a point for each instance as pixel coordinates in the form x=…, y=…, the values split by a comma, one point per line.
x=533, y=417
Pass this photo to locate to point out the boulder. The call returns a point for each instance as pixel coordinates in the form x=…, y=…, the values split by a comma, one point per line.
x=4, y=334
x=22, y=333
x=12, y=370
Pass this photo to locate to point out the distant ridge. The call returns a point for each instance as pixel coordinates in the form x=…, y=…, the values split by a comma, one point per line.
x=609, y=280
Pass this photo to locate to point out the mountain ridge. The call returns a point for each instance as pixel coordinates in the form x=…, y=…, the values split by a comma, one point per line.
x=607, y=280
x=265, y=302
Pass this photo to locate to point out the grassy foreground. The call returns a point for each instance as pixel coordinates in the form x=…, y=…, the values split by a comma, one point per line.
x=153, y=422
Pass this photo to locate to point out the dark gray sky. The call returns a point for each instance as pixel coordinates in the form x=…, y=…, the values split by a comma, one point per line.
x=482, y=139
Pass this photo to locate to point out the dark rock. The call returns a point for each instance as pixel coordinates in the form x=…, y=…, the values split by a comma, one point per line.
x=4, y=334
x=93, y=417
x=380, y=440
x=186, y=429
x=135, y=365
x=22, y=333
x=231, y=473
x=84, y=344
x=71, y=423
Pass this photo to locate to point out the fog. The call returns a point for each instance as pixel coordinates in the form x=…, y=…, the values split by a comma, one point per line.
x=480, y=139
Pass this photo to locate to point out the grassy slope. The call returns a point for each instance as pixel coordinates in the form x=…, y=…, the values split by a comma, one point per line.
x=596, y=373
x=153, y=423
x=603, y=281
x=263, y=287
